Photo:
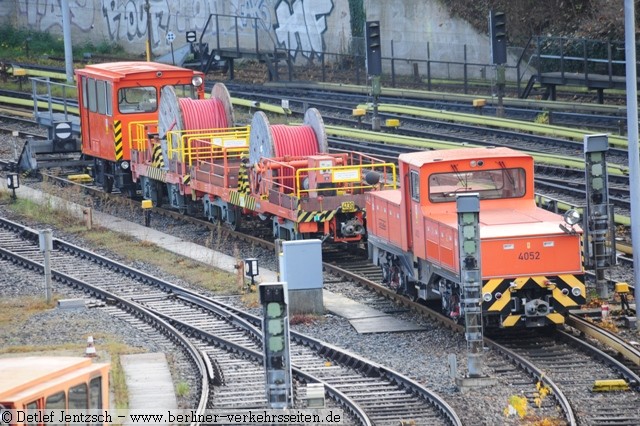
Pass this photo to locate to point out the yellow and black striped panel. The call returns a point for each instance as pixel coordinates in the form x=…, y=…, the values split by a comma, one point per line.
x=242, y=200
x=511, y=320
x=117, y=136
x=243, y=179
x=566, y=282
x=157, y=174
x=560, y=287
x=552, y=318
x=157, y=159
x=315, y=215
x=186, y=179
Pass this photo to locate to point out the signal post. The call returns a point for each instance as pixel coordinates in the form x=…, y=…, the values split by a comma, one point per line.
x=599, y=229
x=498, y=35
x=374, y=67
x=275, y=329
x=468, y=207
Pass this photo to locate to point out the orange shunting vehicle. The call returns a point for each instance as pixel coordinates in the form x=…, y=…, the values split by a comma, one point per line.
x=531, y=262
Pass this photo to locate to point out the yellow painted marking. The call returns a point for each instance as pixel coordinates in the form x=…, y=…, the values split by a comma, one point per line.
x=520, y=282
x=80, y=178
x=117, y=130
x=565, y=301
x=511, y=320
x=492, y=285
x=499, y=305
x=610, y=385
x=573, y=281
x=556, y=318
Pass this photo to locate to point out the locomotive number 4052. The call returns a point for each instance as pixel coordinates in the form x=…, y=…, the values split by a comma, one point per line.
x=529, y=255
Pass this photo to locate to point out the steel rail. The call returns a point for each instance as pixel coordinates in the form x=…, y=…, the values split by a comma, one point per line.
x=423, y=310
x=131, y=307
x=258, y=357
x=247, y=322
x=605, y=337
x=229, y=315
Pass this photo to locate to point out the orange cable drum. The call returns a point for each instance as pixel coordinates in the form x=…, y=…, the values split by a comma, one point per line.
x=203, y=114
x=295, y=141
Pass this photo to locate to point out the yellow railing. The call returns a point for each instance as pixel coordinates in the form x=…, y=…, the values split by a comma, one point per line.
x=189, y=146
x=139, y=133
x=346, y=179
x=347, y=174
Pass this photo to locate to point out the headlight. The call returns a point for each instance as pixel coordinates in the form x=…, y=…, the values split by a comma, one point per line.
x=572, y=217
x=124, y=165
x=196, y=80
x=487, y=297
x=576, y=291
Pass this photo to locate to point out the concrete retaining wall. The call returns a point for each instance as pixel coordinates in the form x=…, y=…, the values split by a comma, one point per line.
x=305, y=28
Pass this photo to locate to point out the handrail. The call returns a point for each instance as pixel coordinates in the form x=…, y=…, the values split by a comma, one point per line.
x=139, y=133
x=204, y=144
x=66, y=103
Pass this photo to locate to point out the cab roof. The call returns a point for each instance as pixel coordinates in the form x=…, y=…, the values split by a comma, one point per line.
x=421, y=158
x=21, y=373
x=119, y=70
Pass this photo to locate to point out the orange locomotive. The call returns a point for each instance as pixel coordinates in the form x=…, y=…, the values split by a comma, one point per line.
x=111, y=97
x=530, y=260
x=30, y=384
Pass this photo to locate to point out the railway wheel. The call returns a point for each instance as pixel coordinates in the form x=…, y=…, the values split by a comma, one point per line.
x=107, y=184
x=132, y=192
x=410, y=291
x=234, y=217
x=216, y=214
x=156, y=196
x=399, y=282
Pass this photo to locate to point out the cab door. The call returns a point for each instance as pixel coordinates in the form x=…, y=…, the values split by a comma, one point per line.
x=96, y=116
x=417, y=234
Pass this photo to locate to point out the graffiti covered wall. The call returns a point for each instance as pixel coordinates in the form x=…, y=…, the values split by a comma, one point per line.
x=307, y=29
x=303, y=27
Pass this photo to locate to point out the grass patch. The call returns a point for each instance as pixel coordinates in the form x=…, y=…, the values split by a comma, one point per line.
x=304, y=319
x=67, y=349
x=23, y=44
x=16, y=310
x=251, y=300
x=182, y=389
x=131, y=250
x=44, y=213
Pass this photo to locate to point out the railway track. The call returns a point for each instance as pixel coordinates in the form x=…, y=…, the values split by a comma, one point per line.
x=553, y=361
x=360, y=268
x=571, y=417
x=603, y=117
x=566, y=177
x=208, y=327
x=574, y=365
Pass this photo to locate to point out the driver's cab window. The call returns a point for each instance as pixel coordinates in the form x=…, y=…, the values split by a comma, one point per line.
x=490, y=184
x=415, y=185
x=137, y=100
x=186, y=91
